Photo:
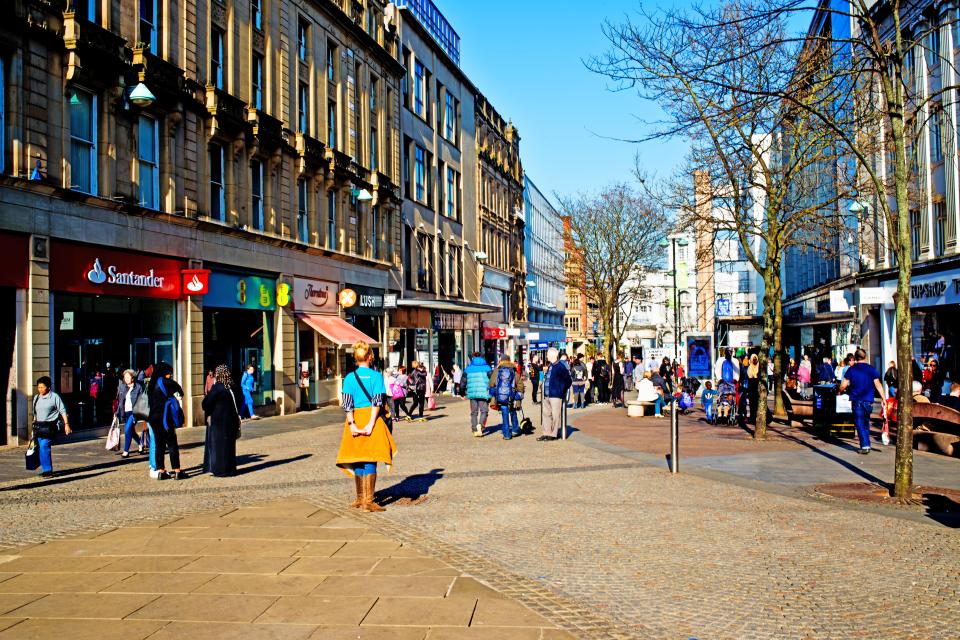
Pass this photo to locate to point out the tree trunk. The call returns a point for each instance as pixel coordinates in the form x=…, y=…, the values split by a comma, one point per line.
x=779, y=408
x=769, y=322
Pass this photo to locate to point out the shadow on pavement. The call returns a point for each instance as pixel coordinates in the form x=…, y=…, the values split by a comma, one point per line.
x=260, y=466
x=413, y=488
x=56, y=479
x=942, y=509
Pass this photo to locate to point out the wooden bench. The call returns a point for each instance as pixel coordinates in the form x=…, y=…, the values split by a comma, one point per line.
x=638, y=408
x=943, y=424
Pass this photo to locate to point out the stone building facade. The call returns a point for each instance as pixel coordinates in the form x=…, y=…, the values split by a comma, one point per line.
x=211, y=219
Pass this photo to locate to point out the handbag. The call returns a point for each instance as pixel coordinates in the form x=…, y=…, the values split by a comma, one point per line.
x=31, y=457
x=141, y=408
x=113, y=435
x=384, y=409
x=47, y=430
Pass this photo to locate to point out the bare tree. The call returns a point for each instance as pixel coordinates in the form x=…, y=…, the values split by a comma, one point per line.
x=613, y=237
x=759, y=163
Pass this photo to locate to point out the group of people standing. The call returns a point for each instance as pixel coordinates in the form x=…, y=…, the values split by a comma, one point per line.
x=597, y=382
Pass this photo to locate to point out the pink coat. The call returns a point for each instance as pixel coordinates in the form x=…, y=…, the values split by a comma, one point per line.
x=803, y=372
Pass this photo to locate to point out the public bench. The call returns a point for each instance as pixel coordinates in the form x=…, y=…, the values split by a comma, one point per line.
x=942, y=429
x=638, y=408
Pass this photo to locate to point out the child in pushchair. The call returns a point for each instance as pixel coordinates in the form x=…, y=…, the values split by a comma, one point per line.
x=727, y=403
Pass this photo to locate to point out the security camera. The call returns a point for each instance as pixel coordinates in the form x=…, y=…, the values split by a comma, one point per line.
x=480, y=256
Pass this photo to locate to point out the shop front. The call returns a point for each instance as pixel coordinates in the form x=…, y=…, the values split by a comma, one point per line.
x=367, y=314
x=495, y=339
x=239, y=328
x=14, y=280
x=455, y=338
x=110, y=311
x=323, y=341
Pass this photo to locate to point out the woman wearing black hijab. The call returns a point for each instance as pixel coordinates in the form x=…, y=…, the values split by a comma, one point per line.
x=220, y=449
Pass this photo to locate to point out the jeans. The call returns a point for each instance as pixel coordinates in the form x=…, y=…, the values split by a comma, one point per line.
x=161, y=441
x=479, y=407
x=361, y=469
x=509, y=414
x=861, y=419
x=248, y=402
x=129, y=431
x=579, y=400
x=46, y=459
x=708, y=409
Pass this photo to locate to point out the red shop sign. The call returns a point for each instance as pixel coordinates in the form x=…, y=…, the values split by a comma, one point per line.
x=196, y=282
x=16, y=256
x=494, y=333
x=81, y=268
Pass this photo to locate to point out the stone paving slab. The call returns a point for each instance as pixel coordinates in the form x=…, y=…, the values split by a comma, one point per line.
x=366, y=593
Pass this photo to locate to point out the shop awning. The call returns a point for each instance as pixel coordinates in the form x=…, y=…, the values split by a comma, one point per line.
x=450, y=306
x=335, y=329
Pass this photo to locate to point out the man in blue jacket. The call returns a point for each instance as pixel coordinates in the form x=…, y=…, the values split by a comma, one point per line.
x=556, y=382
x=478, y=391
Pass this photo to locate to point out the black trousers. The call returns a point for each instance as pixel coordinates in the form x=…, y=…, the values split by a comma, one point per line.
x=536, y=387
x=164, y=441
x=417, y=401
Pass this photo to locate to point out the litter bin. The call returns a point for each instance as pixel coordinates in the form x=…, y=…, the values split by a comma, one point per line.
x=831, y=411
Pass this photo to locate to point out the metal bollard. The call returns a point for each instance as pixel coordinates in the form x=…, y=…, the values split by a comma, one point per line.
x=566, y=400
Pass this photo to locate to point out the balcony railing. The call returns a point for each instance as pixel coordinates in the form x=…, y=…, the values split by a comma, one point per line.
x=93, y=53
x=229, y=112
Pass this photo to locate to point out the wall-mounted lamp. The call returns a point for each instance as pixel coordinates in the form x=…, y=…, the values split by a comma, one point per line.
x=481, y=256
x=360, y=195
x=141, y=96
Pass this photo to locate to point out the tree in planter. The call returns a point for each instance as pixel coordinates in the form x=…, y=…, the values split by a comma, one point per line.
x=613, y=238
x=760, y=166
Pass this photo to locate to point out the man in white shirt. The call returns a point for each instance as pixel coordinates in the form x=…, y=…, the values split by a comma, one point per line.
x=718, y=366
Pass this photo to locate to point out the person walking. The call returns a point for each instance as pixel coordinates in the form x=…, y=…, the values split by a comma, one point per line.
x=862, y=379
x=166, y=416
x=400, y=402
x=506, y=385
x=556, y=383
x=579, y=375
x=804, y=374
x=366, y=440
x=417, y=389
x=456, y=373
x=220, y=441
x=478, y=392
x=536, y=370
x=48, y=412
x=601, y=379
x=666, y=372
x=128, y=393
x=753, y=387
x=707, y=398
x=616, y=384
x=248, y=383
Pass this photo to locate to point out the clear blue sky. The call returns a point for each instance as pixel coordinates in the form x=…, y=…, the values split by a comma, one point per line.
x=526, y=57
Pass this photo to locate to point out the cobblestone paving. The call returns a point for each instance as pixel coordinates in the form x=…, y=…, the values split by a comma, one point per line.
x=600, y=544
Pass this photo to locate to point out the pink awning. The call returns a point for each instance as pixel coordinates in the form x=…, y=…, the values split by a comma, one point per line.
x=335, y=329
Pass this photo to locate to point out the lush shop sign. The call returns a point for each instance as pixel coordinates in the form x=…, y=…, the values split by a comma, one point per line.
x=81, y=268
x=237, y=291
x=315, y=296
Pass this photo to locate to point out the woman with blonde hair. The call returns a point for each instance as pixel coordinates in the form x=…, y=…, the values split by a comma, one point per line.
x=366, y=439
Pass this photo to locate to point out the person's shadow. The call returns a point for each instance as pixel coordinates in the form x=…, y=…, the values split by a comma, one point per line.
x=412, y=488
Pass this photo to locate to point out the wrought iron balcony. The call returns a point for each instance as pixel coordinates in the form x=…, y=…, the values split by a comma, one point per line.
x=267, y=130
x=229, y=112
x=311, y=151
x=165, y=80
x=93, y=53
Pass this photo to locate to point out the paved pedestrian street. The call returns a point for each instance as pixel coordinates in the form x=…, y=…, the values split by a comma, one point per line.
x=482, y=538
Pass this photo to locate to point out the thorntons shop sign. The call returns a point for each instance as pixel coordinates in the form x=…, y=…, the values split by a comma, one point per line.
x=315, y=296
x=85, y=269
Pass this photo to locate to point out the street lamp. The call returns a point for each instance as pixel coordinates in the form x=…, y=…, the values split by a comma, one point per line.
x=674, y=413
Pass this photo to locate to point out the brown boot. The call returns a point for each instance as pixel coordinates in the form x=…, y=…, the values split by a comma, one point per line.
x=369, y=488
x=359, y=501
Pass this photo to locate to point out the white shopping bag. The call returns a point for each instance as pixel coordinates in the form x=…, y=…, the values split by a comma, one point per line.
x=843, y=404
x=113, y=436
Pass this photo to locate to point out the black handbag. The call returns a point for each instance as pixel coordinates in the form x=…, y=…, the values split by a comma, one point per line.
x=46, y=430
x=384, y=409
x=141, y=408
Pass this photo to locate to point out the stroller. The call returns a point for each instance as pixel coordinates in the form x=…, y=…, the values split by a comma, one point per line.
x=727, y=396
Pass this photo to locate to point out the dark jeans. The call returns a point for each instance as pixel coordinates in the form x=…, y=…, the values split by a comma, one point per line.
x=162, y=441
x=861, y=419
x=509, y=415
x=129, y=430
x=536, y=387
x=417, y=401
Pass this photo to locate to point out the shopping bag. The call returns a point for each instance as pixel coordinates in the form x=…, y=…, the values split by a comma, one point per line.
x=32, y=456
x=431, y=404
x=113, y=435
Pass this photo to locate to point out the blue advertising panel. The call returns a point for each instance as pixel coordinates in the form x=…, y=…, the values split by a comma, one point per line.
x=699, y=348
x=231, y=291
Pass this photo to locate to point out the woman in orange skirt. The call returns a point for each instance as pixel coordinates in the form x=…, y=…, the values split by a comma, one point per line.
x=366, y=439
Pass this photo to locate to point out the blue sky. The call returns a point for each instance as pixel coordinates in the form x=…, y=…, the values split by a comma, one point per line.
x=525, y=56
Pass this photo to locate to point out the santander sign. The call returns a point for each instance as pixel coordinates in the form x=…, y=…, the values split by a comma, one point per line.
x=112, y=275
x=81, y=268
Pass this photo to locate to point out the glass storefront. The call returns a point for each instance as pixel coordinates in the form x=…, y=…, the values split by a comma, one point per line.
x=96, y=338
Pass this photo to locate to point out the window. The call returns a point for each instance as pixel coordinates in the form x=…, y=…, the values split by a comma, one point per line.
x=449, y=117
x=419, y=173
x=915, y=234
x=148, y=24
x=430, y=180
x=303, y=39
x=86, y=9
x=407, y=193
x=303, y=220
x=256, y=81
x=303, y=108
x=452, y=288
x=332, y=124
x=452, y=196
x=375, y=232
x=83, y=141
x=423, y=262
x=933, y=47
x=3, y=119
x=374, y=165
x=936, y=135
x=148, y=154
x=374, y=95
x=442, y=254
x=331, y=220
x=456, y=194
x=441, y=190
x=331, y=62
x=216, y=58
x=939, y=228
x=217, y=208
x=256, y=14
x=256, y=195
x=418, y=89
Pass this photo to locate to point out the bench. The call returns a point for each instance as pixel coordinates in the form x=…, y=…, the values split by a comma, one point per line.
x=943, y=424
x=638, y=408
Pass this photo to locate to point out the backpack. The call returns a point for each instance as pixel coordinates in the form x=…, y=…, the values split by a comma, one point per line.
x=172, y=413
x=600, y=370
x=505, y=384
x=726, y=371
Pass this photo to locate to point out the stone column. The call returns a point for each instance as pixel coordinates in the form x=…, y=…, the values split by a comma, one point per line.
x=38, y=336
